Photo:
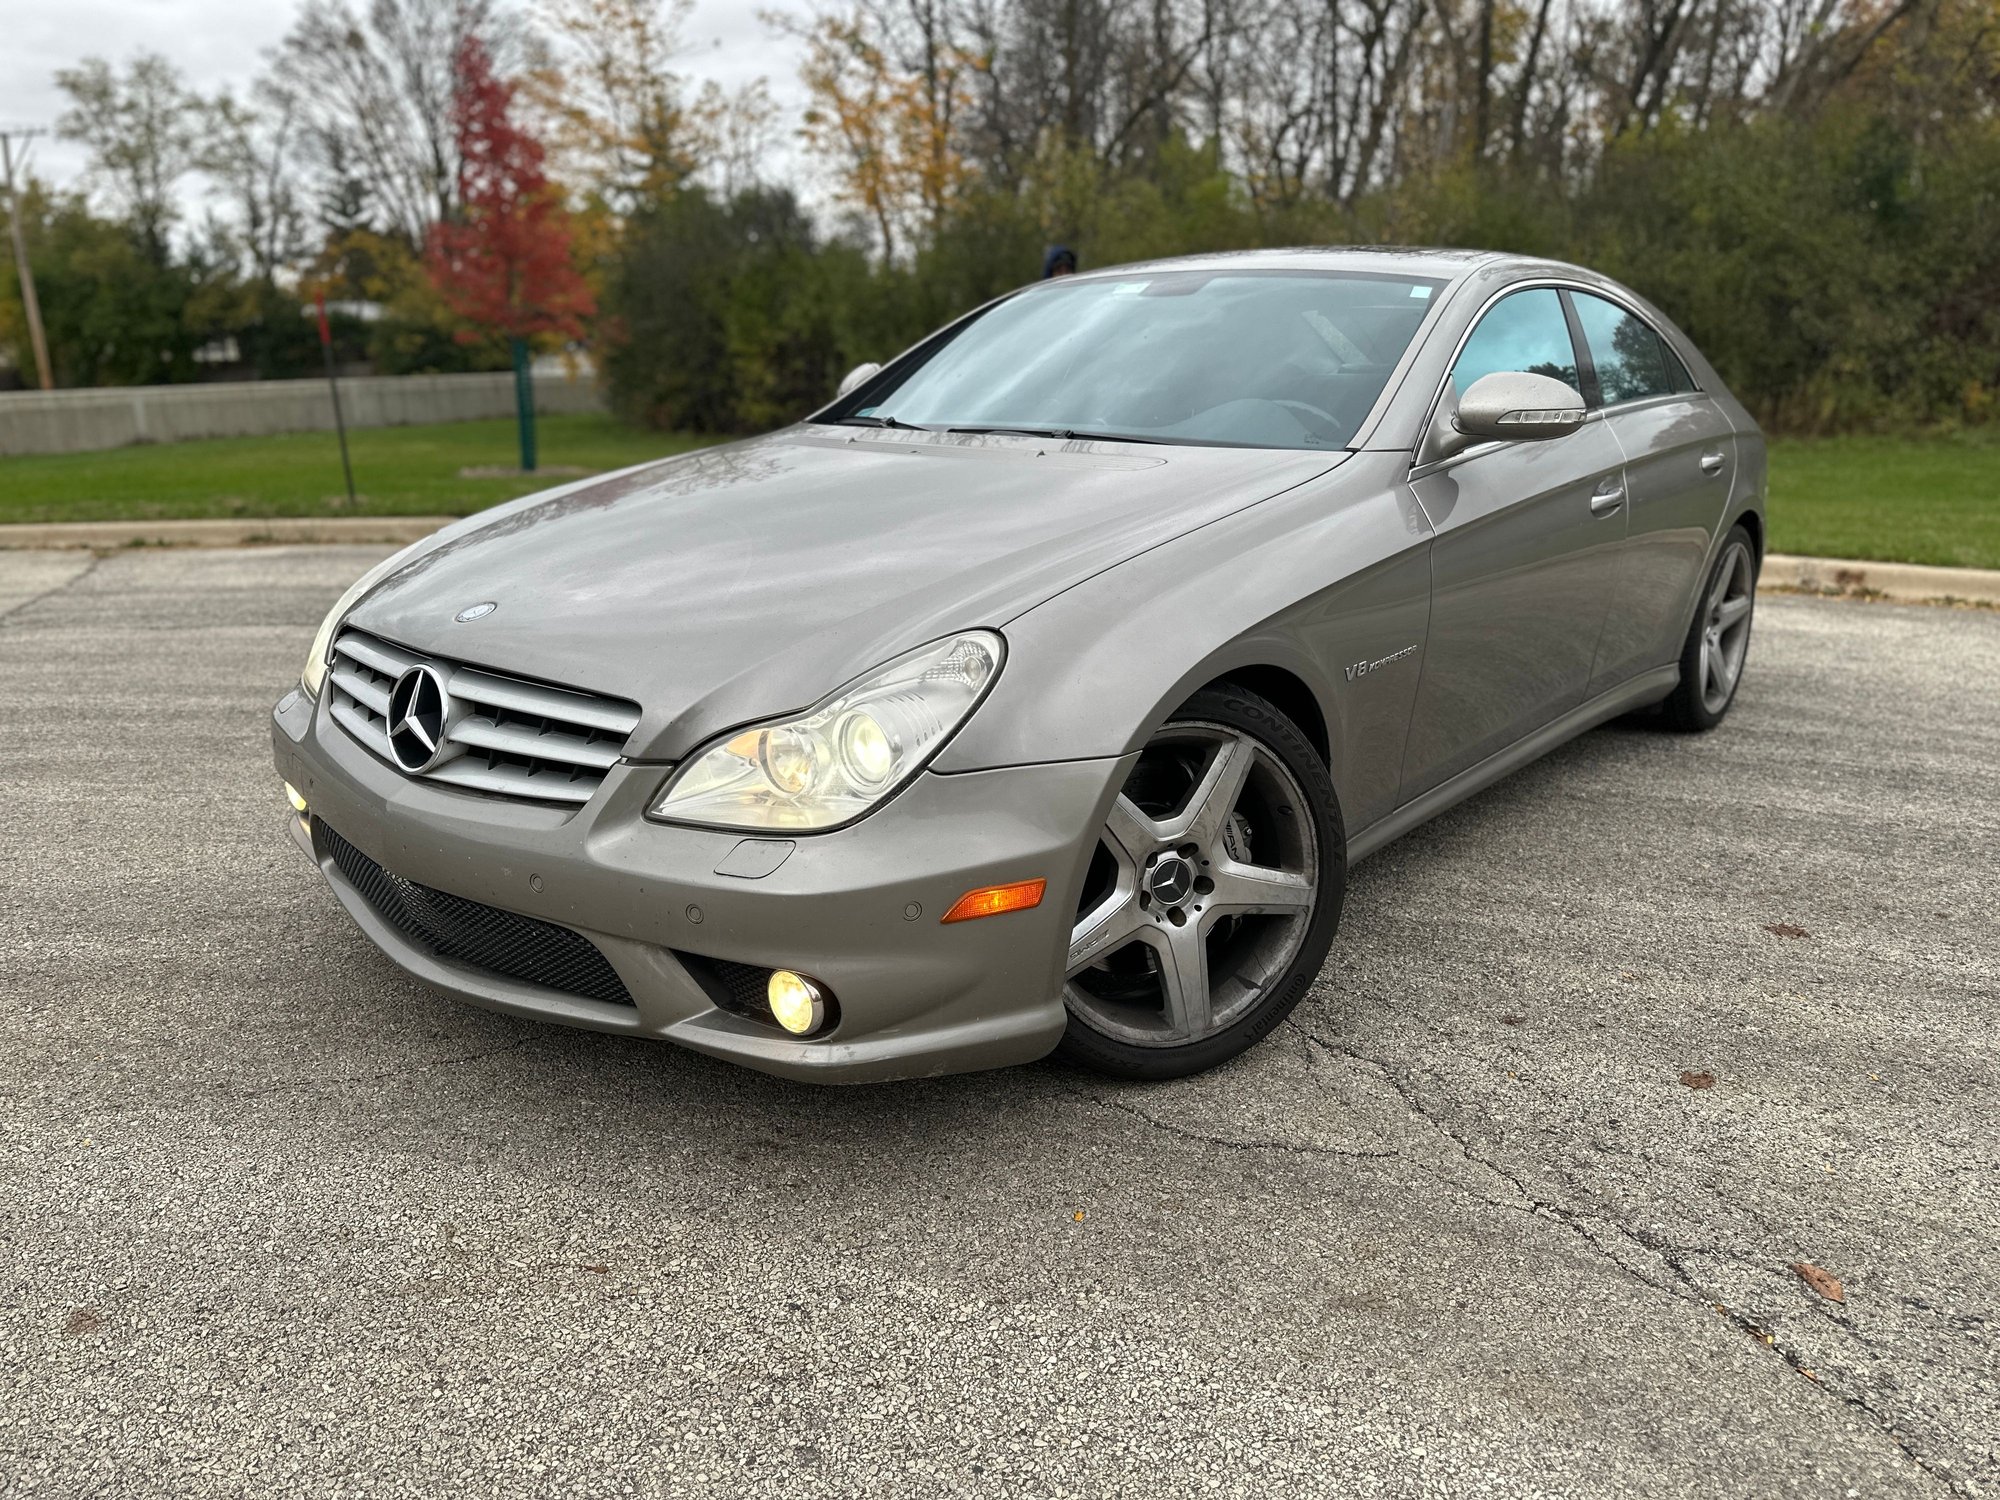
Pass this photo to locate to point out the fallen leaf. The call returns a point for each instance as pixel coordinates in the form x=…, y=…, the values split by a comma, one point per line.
x=1078, y=1216
x=1698, y=1080
x=1824, y=1282
x=1786, y=930
x=1513, y=1020
x=83, y=1322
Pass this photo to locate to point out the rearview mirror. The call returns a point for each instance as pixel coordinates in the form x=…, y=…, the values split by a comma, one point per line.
x=1512, y=404
x=858, y=376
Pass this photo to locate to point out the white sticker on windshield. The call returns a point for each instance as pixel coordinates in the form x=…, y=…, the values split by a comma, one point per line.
x=1420, y=292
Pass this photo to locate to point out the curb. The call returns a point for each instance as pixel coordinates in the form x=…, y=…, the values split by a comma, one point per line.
x=1900, y=583
x=222, y=533
x=1895, y=583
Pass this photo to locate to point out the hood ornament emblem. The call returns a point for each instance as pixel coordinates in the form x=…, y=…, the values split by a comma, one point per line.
x=476, y=611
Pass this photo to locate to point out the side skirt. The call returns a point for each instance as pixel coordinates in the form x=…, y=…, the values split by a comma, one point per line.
x=1649, y=687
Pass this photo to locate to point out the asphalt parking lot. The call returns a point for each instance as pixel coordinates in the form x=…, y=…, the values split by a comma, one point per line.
x=274, y=1220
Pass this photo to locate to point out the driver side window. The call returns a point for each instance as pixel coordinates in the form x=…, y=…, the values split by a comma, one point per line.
x=1522, y=331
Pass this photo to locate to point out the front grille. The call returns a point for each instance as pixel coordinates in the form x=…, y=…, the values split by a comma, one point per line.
x=501, y=735
x=477, y=935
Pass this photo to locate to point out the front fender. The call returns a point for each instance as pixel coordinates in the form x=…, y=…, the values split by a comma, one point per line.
x=1327, y=577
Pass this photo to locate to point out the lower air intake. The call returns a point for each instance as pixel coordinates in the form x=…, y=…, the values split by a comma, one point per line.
x=477, y=935
x=740, y=988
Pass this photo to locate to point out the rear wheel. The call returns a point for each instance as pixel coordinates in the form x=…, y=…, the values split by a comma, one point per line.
x=1213, y=895
x=1718, y=641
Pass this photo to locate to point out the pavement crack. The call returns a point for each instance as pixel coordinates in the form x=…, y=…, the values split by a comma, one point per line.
x=1680, y=1283
x=1228, y=1143
x=7, y=614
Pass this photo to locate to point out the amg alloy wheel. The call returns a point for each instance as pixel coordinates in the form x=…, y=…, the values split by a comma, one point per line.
x=1718, y=642
x=1212, y=897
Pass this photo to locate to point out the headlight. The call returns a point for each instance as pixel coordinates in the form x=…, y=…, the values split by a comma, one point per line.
x=322, y=646
x=831, y=765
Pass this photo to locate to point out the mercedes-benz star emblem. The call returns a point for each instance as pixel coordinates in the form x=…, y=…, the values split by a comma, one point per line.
x=477, y=611
x=419, y=707
x=1172, y=880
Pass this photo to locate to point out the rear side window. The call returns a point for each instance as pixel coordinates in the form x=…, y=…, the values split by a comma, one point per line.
x=1522, y=331
x=1630, y=362
x=1676, y=371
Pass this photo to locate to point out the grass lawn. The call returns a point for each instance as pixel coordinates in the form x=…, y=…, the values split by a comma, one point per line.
x=1919, y=500
x=1926, y=500
x=397, y=471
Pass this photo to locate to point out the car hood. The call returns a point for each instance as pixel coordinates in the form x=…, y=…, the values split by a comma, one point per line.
x=740, y=582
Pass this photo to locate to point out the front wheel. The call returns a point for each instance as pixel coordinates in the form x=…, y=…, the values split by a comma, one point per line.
x=1213, y=895
x=1718, y=642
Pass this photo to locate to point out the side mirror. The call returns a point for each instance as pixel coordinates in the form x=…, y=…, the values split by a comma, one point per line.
x=1506, y=406
x=1515, y=404
x=858, y=376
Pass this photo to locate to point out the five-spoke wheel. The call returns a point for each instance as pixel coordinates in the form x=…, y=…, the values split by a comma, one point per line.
x=1719, y=640
x=1212, y=896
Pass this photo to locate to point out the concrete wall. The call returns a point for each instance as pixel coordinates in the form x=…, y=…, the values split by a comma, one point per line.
x=80, y=421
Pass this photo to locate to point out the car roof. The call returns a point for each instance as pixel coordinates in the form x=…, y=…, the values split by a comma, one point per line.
x=1408, y=260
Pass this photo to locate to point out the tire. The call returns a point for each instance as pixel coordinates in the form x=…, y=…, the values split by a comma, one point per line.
x=1221, y=870
x=1718, y=640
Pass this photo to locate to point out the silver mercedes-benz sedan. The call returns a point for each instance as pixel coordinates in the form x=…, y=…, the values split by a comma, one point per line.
x=1039, y=692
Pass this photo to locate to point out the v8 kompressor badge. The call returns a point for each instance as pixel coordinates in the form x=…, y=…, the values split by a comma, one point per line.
x=1363, y=668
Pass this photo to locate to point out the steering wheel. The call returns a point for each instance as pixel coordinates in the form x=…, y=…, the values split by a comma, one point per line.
x=1323, y=425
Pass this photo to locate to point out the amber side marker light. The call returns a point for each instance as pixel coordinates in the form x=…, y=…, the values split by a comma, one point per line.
x=992, y=900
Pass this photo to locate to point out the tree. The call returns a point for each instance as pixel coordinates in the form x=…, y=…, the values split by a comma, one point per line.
x=889, y=88
x=505, y=262
x=114, y=316
x=374, y=93
x=248, y=155
x=142, y=130
x=620, y=123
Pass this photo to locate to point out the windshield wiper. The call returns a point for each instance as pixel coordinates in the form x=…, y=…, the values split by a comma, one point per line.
x=882, y=422
x=1068, y=433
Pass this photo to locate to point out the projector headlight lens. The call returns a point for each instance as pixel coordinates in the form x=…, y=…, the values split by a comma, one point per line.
x=866, y=752
x=844, y=757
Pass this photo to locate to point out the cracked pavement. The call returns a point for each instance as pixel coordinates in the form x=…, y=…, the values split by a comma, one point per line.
x=274, y=1219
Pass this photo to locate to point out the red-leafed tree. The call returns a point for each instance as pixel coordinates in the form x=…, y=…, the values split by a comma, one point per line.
x=505, y=263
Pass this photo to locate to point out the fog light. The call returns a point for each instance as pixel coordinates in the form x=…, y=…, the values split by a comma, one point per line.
x=797, y=1004
x=298, y=802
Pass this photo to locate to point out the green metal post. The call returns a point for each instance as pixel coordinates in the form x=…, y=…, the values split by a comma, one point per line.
x=524, y=405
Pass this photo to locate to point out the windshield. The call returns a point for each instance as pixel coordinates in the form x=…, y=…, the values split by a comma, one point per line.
x=1262, y=359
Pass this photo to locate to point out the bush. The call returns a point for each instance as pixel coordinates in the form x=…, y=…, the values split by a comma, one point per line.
x=728, y=316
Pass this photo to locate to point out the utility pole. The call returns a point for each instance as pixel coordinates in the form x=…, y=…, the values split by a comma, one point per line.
x=29, y=303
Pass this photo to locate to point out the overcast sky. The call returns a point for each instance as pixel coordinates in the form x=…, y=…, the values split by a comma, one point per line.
x=221, y=43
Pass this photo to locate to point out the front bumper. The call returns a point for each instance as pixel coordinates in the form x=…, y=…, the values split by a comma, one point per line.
x=857, y=909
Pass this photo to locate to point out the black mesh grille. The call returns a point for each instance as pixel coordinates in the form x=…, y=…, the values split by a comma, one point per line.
x=477, y=935
x=742, y=988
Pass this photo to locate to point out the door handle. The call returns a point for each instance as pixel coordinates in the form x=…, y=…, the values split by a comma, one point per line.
x=1711, y=462
x=1610, y=495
